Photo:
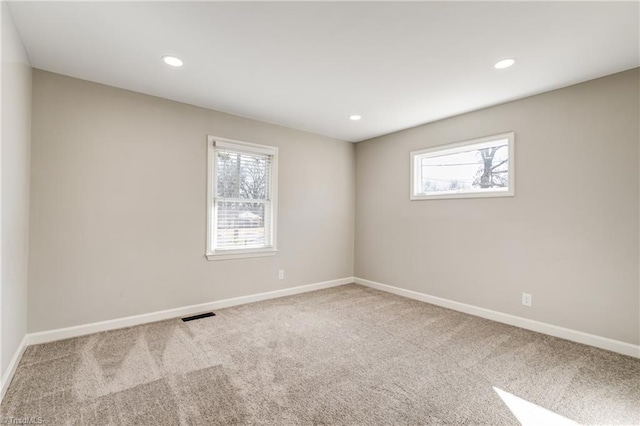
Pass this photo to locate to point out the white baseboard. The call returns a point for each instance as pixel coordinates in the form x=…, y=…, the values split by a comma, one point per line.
x=540, y=327
x=11, y=369
x=96, y=327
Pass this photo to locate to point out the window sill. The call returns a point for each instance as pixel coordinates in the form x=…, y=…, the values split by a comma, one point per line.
x=486, y=194
x=232, y=254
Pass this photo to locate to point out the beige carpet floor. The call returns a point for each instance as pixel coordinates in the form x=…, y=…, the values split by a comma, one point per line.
x=348, y=355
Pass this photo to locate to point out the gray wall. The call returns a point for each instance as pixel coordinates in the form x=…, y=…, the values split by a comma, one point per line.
x=569, y=236
x=14, y=178
x=118, y=209
x=118, y=205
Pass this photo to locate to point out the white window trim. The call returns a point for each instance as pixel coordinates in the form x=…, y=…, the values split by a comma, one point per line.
x=252, y=148
x=460, y=147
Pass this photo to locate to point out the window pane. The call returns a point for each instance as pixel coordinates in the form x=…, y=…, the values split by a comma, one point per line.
x=484, y=168
x=241, y=225
x=242, y=176
x=227, y=174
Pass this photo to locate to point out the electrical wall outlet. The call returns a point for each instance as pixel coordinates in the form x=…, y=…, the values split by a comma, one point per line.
x=526, y=299
x=281, y=274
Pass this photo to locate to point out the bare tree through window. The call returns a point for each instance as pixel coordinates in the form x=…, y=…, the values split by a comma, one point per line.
x=481, y=166
x=490, y=174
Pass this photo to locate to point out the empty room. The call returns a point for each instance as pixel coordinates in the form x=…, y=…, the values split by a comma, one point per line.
x=320, y=213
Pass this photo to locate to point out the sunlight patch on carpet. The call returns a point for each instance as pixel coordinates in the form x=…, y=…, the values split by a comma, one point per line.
x=530, y=414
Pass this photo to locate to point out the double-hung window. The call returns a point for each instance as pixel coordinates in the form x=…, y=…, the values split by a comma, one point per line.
x=242, y=186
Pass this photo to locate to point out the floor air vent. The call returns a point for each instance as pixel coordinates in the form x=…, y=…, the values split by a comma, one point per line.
x=195, y=317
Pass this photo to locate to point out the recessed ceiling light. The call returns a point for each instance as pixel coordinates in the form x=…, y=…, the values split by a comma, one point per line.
x=172, y=60
x=505, y=63
x=354, y=117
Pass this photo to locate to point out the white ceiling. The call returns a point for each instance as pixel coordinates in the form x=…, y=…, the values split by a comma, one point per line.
x=311, y=65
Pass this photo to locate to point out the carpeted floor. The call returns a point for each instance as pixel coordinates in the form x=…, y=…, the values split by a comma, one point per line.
x=348, y=355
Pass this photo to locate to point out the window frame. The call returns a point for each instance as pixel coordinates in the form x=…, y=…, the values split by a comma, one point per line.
x=457, y=147
x=214, y=142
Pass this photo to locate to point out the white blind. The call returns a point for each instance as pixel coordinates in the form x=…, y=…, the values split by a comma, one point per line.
x=242, y=200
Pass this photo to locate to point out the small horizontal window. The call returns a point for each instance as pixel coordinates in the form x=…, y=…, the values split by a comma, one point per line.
x=475, y=168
